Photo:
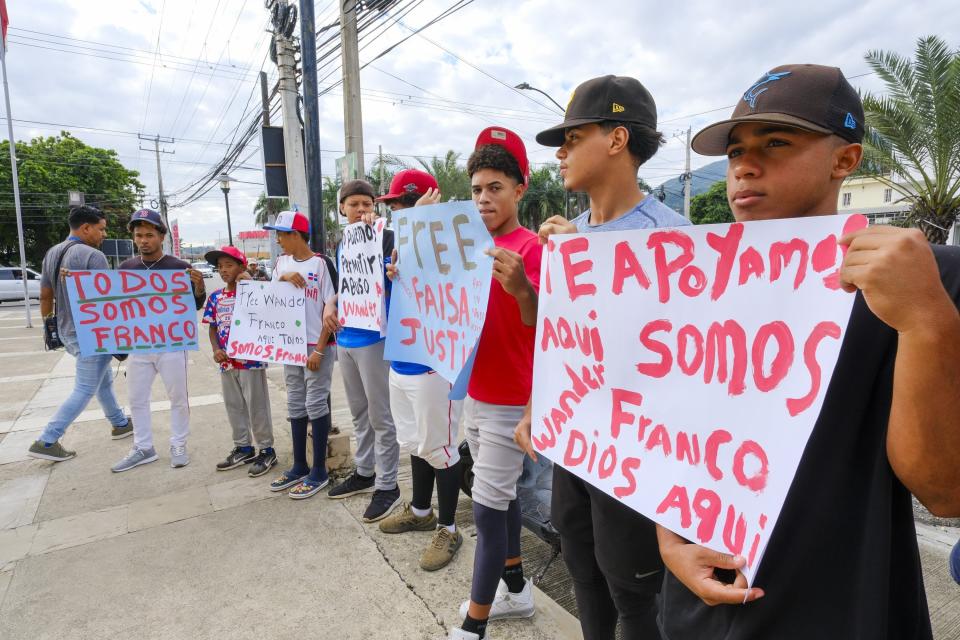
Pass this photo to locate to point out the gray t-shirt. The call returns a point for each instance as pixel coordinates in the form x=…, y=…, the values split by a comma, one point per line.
x=649, y=213
x=79, y=256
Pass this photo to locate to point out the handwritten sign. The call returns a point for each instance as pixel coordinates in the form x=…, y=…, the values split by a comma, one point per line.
x=360, y=299
x=682, y=371
x=439, y=300
x=133, y=311
x=269, y=323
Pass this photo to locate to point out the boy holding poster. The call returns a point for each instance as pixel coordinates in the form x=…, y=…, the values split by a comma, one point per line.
x=148, y=233
x=500, y=384
x=366, y=381
x=609, y=131
x=307, y=387
x=427, y=423
x=888, y=423
x=244, y=382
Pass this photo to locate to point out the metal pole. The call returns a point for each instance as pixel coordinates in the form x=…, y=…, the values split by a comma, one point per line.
x=16, y=188
x=311, y=126
x=352, y=117
x=226, y=201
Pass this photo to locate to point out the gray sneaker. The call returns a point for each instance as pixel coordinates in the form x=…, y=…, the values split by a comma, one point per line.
x=54, y=452
x=179, y=457
x=135, y=458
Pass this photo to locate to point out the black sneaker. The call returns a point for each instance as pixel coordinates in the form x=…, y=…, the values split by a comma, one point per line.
x=264, y=461
x=354, y=484
x=237, y=458
x=381, y=504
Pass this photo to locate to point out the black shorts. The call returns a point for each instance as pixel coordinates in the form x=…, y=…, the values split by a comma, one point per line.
x=623, y=541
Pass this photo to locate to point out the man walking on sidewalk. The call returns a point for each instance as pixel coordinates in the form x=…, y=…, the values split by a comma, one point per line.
x=88, y=227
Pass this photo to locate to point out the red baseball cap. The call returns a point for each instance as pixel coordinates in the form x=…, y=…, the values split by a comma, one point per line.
x=290, y=221
x=410, y=181
x=229, y=252
x=509, y=141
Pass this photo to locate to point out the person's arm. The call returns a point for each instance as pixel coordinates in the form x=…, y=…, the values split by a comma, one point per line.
x=898, y=275
x=199, y=289
x=508, y=270
x=219, y=355
x=46, y=302
x=522, y=432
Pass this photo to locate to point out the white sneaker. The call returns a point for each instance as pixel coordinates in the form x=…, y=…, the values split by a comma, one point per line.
x=508, y=605
x=456, y=633
x=179, y=457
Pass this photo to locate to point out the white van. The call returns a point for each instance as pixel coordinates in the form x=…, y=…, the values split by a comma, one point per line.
x=11, y=284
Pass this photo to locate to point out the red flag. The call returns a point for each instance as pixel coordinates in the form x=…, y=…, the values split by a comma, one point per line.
x=4, y=21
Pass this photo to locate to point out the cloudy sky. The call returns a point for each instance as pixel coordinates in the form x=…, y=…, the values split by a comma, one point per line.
x=188, y=70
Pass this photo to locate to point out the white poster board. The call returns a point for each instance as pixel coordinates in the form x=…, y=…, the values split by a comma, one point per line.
x=360, y=299
x=681, y=371
x=269, y=323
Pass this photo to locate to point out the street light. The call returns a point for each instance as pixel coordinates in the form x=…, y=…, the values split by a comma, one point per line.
x=224, y=181
x=524, y=85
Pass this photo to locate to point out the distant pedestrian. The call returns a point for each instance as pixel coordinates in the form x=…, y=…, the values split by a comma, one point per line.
x=88, y=228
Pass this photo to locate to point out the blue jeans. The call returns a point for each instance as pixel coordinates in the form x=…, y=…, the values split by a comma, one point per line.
x=93, y=378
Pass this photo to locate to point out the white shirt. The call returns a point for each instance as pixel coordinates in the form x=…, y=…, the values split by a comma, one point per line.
x=319, y=288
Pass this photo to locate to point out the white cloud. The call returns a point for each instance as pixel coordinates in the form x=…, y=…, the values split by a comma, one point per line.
x=693, y=56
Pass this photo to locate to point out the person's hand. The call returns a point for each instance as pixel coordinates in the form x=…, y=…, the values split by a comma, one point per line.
x=897, y=273
x=196, y=278
x=295, y=279
x=369, y=218
x=392, y=269
x=219, y=356
x=521, y=435
x=431, y=196
x=509, y=272
x=243, y=275
x=555, y=224
x=694, y=566
x=330, y=321
x=64, y=273
x=313, y=362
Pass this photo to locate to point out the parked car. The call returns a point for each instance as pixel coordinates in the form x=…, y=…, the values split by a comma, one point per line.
x=11, y=284
x=204, y=268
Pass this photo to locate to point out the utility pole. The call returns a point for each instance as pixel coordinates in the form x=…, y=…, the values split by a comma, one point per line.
x=271, y=217
x=352, y=118
x=156, y=140
x=687, y=181
x=311, y=125
x=292, y=141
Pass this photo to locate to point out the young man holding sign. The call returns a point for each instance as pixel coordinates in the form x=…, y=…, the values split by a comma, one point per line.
x=244, y=382
x=500, y=384
x=843, y=558
x=608, y=132
x=308, y=388
x=148, y=233
x=427, y=423
x=366, y=381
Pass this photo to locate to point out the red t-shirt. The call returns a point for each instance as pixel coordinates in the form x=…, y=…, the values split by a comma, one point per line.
x=503, y=368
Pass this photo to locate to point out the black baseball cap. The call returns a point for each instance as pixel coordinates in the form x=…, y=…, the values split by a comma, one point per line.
x=607, y=98
x=805, y=96
x=148, y=216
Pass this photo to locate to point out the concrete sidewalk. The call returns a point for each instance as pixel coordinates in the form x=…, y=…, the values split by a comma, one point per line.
x=158, y=552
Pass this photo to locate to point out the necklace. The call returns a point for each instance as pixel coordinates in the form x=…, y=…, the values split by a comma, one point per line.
x=152, y=264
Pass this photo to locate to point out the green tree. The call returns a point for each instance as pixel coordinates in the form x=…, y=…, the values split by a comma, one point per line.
x=50, y=167
x=452, y=179
x=382, y=172
x=266, y=207
x=711, y=206
x=544, y=197
x=913, y=132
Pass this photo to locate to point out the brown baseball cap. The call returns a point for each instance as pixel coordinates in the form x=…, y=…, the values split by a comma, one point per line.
x=607, y=98
x=356, y=188
x=805, y=96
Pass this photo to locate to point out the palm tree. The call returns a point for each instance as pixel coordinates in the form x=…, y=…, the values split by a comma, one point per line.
x=266, y=207
x=544, y=197
x=452, y=179
x=913, y=132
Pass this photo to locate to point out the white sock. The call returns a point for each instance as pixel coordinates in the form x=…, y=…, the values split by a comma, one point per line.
x=420, y=513
x=452, y=528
